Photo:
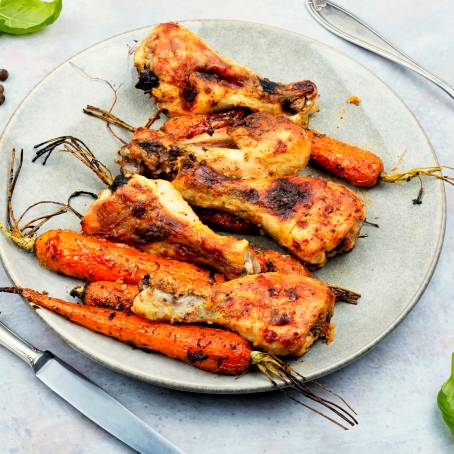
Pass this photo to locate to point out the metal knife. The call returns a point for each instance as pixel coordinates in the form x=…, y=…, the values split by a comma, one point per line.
x=87, y=397
x=346, y=25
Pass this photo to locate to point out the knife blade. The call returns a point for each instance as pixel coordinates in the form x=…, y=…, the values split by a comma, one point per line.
x=346, y=25
x=87, y=397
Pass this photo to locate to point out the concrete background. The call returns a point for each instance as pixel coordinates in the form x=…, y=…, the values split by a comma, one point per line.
x=393, y=387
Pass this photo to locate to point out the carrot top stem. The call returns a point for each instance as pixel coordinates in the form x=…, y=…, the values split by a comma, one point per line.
x=79, y=150
x=431, y=171
x=24, y=242
x=110, y=118
x=18, y=231
x=276, y=369
x=153, y=117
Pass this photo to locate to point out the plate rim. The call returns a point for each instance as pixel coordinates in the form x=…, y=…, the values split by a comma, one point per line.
x=207, y=389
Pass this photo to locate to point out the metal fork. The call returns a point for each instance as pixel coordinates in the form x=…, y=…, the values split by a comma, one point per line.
x=338, y=20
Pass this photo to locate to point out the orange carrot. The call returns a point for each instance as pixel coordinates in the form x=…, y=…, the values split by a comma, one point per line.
x=112, y=295
x=359, y=167
x=92, y=259
x=210, y=349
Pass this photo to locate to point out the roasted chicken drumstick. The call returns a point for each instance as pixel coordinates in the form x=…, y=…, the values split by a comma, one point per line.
x=312, y=217
x=282, y=314
x=259, y=145
x=185, y=76
x=357, y=166
x=136, y=210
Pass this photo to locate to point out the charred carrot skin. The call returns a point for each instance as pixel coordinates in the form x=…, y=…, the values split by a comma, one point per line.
x=111, y=295
x=92, y=259
x=210, y=349
x=357, y=166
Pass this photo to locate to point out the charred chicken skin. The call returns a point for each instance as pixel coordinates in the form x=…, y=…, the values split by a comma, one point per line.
x=281, y=314
x=312, y=217
x=138, y=210
x=225, y=222
x=185, y=76
x=259, y=145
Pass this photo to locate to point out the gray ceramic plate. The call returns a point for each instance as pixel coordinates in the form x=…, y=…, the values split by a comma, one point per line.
x=391, y=267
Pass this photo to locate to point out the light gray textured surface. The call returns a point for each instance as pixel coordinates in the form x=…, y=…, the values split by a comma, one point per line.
x=393, y=387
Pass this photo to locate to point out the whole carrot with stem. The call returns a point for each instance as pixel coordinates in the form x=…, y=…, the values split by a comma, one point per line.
x=93, y=259
x=209, y=349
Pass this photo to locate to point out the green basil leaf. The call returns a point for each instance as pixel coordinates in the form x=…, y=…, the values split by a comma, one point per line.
x=445, y=399
x=19, y=17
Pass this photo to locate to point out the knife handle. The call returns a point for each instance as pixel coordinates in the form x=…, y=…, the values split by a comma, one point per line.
x=19, y=346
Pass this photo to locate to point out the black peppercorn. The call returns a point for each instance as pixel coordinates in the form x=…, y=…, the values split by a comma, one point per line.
x=2, y=99
x=3, y=74
x=2, y=89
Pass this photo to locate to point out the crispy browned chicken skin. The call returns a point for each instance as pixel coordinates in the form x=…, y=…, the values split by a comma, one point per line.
x=256, y=146
x=186, y=76
x=279, y=313
x=139, y=211
x=312, y=217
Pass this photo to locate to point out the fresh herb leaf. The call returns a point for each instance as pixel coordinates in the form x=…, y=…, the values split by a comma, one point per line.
x=445, y=399
x=19, y=17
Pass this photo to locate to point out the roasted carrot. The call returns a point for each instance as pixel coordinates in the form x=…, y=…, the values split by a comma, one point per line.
x=187, y=126
x=112, y=295
x=209, y=349
x=93, y=259
x=357, y=166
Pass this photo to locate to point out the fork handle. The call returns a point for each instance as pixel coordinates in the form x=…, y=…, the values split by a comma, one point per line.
x=369, y=39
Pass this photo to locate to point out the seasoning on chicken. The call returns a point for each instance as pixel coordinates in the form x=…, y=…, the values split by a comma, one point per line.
x=259, y=145
x=281, y=314
x=312, y=217
x=185, y=76
x=137, y=211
